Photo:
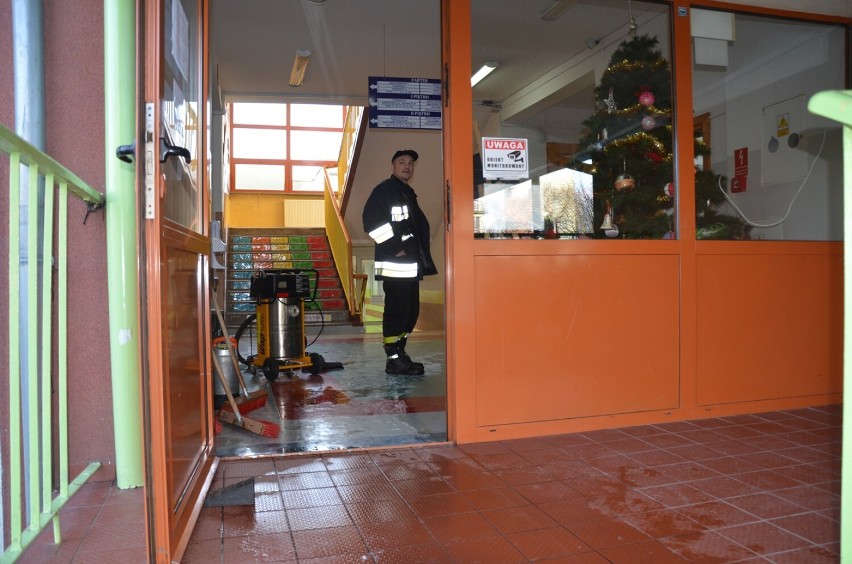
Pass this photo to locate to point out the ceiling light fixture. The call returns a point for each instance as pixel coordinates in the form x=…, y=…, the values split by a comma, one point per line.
x=484, y=71
x=555, y=12
x=300, y=65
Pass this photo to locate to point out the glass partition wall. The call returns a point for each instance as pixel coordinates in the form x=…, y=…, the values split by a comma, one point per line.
x=573, y=134
x=777, y=166
x=573, y=128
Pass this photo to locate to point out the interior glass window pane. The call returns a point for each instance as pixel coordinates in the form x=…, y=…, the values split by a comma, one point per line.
x=259, y=177
x=334, y=178
x=316, y=115
x=775, y=167
x=572, y=133
x=181, y=111
x=259, y=143
x=307, y=178
x=260, y=113
x=315, y=145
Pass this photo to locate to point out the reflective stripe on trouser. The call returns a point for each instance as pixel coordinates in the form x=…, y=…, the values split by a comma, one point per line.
x=395, y=338
x=382, y=233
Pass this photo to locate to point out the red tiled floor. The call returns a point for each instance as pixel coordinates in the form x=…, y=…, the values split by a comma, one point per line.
x=678, y=492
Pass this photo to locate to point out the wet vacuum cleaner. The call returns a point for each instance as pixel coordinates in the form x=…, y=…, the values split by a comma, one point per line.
x=279, y=297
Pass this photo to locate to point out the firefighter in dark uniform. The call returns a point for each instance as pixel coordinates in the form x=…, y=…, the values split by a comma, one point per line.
x=400, y=230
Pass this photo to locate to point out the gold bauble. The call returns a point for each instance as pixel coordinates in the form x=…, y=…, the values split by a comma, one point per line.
x=625, y=183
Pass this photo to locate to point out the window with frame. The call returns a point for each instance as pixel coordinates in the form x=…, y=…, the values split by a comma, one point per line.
x=277, y=147
x=775, y=165
x=586, y=150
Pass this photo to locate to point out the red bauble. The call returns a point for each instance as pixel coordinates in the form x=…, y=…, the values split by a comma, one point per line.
x=669, y=190
x=646, y=98
x=655, y=158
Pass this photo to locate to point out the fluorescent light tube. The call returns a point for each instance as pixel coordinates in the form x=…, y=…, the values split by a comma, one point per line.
x=486, y=69
x=300, y=65
x=554, y=12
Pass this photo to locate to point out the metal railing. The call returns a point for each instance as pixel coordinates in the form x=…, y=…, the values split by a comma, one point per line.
x=33, y=387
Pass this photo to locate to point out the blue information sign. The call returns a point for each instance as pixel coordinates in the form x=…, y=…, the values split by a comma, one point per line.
x=405, y=103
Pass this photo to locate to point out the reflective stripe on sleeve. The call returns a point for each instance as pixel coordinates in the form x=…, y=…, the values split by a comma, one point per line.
x=382, y=233
x=398, y=213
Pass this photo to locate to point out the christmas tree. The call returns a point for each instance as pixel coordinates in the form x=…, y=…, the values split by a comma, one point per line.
x=630, y=144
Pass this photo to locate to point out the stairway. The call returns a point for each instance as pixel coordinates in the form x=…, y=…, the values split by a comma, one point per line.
x=251, y=250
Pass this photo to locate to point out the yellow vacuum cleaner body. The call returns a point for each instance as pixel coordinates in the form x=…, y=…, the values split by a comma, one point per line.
x=280, y=308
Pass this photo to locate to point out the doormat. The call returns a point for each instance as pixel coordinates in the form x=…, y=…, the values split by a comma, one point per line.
x=241, y=493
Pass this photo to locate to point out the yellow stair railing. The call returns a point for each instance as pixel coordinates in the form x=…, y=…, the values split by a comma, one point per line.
x=354, y=284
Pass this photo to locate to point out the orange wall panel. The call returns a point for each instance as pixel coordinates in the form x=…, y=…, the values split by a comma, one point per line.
x=769, y=326
x=575, y=336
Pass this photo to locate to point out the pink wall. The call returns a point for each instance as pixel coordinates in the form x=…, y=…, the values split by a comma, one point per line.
x=74, y=102
x=75, y=137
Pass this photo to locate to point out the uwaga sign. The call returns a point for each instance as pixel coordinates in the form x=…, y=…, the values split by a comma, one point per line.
x=504, y=159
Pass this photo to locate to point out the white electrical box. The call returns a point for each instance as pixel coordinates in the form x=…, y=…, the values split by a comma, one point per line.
x=784, y=157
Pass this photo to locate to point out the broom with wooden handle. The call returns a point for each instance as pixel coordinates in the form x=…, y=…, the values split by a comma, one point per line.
x=235, y=417
x=247, y=402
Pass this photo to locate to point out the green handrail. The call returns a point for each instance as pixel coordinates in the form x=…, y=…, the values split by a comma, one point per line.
x=44, y=503
x=11, y=143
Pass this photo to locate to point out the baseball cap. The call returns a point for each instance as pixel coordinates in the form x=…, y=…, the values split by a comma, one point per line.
x=411, y=153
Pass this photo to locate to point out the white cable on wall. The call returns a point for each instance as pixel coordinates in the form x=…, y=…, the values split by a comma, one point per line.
x=789, y=207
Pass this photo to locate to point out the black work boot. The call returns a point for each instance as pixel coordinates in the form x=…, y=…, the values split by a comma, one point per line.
x=399, y=364
x=402, y=353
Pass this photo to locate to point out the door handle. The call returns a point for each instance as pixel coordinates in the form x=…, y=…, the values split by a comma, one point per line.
x=126, y=153
x=167, y=150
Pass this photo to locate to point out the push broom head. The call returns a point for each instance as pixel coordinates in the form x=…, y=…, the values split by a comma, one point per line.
x=249, y=403
x=256, y=426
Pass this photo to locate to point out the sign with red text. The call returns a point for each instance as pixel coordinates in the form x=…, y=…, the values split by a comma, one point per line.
x=505, y=159
x=739, y=183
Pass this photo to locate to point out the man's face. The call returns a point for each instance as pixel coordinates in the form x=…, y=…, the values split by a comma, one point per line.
x=403, y=168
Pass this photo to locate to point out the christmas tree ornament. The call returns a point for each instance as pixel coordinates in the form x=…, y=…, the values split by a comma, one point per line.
x=646, y=98
x=612, y=232
x=655, y=158
x=649, y=123
x=610, y=102
x=607, y=220
x=624, y=182
x=669, y=190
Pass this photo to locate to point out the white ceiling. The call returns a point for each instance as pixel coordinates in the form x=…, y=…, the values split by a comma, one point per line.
x=350, y=40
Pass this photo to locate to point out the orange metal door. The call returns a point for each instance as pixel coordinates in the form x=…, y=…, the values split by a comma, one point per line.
x=175, y=246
